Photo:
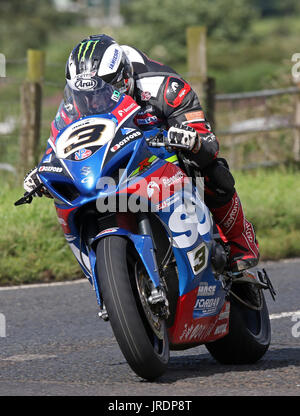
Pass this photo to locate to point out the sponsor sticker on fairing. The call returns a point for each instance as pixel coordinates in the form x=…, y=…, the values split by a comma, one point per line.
x=126, y=139
x=126, y=109
x=108, y=230
x=152, y=185
x=167, y=203
x=206, y=290
x=177, y=178
x=207, y=305
x=55, y=169
x=48, y=158
x=82, y=154
x=221, y=329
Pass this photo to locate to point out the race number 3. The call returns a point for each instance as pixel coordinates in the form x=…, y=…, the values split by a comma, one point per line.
x=198, y=258
x=83, y=136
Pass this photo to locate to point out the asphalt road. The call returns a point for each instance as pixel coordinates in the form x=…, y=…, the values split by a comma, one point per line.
x=53, y=343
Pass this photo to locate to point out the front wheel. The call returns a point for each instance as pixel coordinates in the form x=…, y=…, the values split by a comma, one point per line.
x=248, y=338
x=140, y=333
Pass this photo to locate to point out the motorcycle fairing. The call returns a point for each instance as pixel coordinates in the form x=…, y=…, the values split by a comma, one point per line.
x=190, y=331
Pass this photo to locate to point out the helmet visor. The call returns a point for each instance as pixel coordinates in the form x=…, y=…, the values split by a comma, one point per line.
x=91, y=96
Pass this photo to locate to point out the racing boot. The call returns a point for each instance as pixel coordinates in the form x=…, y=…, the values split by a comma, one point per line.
x=238, y=233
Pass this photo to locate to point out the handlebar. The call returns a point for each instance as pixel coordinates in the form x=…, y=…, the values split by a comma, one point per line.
x=159, y=140
x=27, y=198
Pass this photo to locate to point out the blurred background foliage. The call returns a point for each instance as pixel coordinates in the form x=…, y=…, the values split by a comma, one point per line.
x=250, y=42
x=29, y=24
x=225, y=20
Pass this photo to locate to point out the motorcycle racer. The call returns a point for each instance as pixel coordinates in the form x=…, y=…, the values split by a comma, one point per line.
x=169, y=102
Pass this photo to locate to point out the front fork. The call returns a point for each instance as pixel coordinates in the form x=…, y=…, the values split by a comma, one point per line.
x=143, y=242
x=158, y=294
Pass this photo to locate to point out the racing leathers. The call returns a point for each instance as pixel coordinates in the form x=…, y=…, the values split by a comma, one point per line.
x=167, y=100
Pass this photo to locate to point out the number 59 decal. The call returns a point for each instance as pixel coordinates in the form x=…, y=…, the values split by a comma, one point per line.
x=189, y=226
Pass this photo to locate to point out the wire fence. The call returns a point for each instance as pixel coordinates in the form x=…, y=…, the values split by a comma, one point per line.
x=9, y=117
x=10, y=110
x=259, y=128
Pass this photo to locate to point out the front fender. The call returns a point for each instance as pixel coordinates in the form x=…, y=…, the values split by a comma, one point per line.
x=143, y=245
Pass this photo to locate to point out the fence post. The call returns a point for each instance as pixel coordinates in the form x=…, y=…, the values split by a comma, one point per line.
x=31, y=108
x=210, y=102
x=196, y=59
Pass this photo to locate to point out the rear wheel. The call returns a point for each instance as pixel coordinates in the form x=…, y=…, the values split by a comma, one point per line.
x=249, y=335
x=126, y=287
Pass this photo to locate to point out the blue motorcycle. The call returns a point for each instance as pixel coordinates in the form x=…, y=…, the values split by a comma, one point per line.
x=139, y=229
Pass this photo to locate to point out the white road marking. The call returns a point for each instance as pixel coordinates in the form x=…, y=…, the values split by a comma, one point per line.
x=71, y=282
x=35, y=285
x=284, y=315
x=28, y=357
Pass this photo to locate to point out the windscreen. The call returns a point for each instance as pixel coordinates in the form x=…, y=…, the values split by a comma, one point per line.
x=77, y=103
x=90, y=97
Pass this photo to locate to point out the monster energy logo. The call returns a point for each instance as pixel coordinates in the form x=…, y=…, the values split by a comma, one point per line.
x=87, y=45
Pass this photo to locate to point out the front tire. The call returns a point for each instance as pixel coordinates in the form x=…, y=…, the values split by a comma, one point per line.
x=249, y=335
x=146, y=350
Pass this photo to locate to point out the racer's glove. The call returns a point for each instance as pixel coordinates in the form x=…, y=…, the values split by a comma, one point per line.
x=184, y=136
x=31, y=181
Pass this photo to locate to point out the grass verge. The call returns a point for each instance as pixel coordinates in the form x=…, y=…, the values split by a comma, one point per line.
x=32, y=245
x=271, y=201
